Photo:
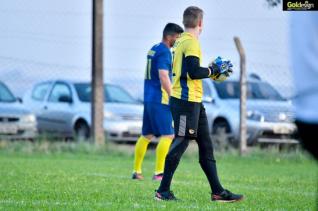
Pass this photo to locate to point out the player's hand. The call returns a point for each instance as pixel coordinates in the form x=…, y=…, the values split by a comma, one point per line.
x=220, y=69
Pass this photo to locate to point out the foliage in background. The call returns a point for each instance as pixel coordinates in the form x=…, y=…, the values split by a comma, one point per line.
x=273, y=3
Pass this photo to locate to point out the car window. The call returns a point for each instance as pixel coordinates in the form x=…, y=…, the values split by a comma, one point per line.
x=5, y=94
x=111, y=93
x=117, y=94
x=39, y=91
x=228, y=90
x=206, y=89
x=255, y=90
x=59, y=89
x=265, y=91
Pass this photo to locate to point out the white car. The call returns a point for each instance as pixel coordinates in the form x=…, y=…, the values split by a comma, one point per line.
x=16, y=122
x=63, y=109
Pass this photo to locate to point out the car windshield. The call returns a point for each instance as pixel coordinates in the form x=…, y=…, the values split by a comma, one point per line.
x=255, y=90
x=112, y=93
x=6, y=95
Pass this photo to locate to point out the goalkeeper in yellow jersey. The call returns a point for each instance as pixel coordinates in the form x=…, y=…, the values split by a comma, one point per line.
x=157, y=119
x=189, y=116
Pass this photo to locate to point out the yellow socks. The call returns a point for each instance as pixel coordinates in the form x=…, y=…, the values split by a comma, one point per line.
x=161, y=153
x=140, y=151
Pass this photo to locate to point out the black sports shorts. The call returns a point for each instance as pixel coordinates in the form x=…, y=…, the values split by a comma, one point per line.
x=185, y=116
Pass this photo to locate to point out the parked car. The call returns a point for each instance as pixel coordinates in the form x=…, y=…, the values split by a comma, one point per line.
x=63, y=109
x=269, y=115
x=16, y=122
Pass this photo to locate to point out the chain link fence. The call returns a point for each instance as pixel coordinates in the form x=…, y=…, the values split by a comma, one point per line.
x=49, y=40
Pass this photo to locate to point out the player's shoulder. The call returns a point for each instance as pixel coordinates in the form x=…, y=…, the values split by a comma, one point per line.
x=155, y=46
x=187, y=37
x=191, y=42
x=158, y=49
x=187, y=40
x=162, y=50
x=153, y=50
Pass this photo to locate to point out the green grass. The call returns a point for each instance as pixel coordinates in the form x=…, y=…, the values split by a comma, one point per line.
x=99, y=180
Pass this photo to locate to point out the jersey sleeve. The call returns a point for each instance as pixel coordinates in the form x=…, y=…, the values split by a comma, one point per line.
x=192, y=48
x=164, y=61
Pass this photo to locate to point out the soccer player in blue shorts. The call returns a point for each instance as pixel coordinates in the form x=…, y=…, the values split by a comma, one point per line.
x=157, y=119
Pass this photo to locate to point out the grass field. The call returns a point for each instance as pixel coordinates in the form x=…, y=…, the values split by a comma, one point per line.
x=98, y=181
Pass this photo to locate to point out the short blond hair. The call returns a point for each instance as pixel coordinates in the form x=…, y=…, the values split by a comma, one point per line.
x=191, y=16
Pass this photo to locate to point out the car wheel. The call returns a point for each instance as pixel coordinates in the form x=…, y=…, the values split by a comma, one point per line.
x=221, y=134
x=82, y=132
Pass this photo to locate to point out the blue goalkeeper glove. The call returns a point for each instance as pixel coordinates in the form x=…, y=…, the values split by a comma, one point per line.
x=220, y=69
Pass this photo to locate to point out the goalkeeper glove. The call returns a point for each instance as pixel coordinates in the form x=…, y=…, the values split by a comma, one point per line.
x=220, y=69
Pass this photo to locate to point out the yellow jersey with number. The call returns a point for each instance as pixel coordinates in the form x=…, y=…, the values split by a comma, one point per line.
x=183, y=87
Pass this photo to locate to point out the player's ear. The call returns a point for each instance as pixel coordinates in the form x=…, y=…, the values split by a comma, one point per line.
x=168, y=38
x=200, y=24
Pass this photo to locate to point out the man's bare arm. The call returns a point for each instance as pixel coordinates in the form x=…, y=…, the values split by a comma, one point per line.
x=165, y=80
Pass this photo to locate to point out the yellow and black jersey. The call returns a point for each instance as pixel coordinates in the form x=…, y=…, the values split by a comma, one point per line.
x=183, y=87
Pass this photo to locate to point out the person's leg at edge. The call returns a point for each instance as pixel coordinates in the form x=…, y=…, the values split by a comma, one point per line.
x=140, y=151
x=143, y=141
x=177, y=148
x=307, y=131
x=208, y=164
x=206, y=156
x=161, y=152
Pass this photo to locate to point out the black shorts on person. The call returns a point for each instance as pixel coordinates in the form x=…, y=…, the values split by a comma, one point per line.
x=186, y=116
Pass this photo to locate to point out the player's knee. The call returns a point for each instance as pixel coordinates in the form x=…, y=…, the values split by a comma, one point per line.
x=149, y=137
x=168, y=136
x=207, y=158
x=173, y=157
x=170, y=156
x=173, y=153
x=177, y=148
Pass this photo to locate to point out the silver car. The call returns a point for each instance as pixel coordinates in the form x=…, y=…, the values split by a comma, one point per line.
x=269, y=115
x=63, y=109
x=16, y=122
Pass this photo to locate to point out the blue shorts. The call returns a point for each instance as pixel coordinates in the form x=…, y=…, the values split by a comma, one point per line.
x=157, y=119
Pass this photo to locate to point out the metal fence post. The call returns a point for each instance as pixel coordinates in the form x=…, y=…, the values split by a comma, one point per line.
x=243, y=95
x=97, y=107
